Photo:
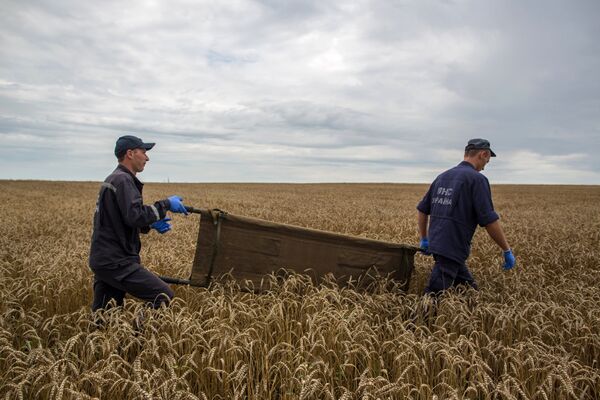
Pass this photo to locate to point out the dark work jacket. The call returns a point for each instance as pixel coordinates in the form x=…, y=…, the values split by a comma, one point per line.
x=119, y=218
x=457, y=201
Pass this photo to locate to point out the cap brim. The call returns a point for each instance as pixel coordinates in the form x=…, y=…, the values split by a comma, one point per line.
x=148, y=146
x=492, y=153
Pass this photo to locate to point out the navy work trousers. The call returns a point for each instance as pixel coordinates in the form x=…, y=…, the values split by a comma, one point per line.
x=447, y=273
x=133, y=279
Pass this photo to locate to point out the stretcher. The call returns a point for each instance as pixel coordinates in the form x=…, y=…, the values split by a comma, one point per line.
x=249, y=249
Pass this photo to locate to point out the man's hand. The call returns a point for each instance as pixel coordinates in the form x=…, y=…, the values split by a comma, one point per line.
x=509, y=260
x=424, y=245
x=176, y=205
x=162, y=225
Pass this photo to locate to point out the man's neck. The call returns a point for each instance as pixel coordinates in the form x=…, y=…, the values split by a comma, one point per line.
x=473, y=163
x=125, y=165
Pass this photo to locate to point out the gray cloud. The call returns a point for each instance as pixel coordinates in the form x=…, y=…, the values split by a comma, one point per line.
x=301, y=90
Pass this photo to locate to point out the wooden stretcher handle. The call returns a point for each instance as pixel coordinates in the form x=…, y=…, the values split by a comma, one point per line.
x=177, y=281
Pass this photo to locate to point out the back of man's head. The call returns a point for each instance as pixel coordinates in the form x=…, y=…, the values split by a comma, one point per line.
x=474, y=146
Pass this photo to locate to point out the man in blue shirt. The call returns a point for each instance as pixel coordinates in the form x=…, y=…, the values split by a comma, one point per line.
x=457, y=201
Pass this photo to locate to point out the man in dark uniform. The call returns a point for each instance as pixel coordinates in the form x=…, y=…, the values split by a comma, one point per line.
x=457, y=201
x=119, y=218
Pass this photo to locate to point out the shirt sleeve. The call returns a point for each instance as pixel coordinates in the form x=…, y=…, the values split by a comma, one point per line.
x=425, y=204
x=482, y=200
x=135, y=214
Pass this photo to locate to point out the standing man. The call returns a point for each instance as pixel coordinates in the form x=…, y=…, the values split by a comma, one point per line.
x=458, y=200
x=119, y=218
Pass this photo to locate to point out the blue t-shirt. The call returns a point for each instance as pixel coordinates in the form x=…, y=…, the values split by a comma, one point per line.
x=457, y=201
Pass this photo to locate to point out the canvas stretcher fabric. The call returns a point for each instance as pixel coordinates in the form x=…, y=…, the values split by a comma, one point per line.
x=249, y=249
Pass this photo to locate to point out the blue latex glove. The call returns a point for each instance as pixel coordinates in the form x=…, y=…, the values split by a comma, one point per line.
x=424, y=245
x=162, y=225
x=509, y=260
x=176, y=205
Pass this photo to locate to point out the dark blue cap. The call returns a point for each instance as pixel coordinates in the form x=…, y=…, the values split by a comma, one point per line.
x=129, y=142
x=479, y=144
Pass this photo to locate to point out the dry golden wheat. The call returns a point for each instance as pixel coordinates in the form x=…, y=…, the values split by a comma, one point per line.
x=532, y=333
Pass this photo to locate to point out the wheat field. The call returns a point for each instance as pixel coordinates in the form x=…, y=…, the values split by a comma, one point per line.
x=530, y=333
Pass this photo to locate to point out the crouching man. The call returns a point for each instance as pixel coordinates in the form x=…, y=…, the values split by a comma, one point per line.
x=119, y=218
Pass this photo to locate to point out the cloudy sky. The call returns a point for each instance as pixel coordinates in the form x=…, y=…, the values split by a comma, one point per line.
x=300, y=91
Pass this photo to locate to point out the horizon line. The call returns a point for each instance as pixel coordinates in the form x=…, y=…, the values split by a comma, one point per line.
x=288, y=182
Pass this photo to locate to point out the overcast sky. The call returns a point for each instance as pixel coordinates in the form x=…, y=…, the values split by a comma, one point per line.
x=300, y=91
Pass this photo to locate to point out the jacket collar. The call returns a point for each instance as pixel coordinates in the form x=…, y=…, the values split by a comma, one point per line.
x=466, y=164
x=137, y=182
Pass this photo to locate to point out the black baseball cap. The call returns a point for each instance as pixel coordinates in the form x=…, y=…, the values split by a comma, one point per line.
x=479, y=144
x=129, y=142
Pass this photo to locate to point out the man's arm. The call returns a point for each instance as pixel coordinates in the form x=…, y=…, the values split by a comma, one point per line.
x=133, y=211
x=495, y=231
x=422, y=220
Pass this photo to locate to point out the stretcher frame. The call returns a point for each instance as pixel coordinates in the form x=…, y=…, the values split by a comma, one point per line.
x=249, y=249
